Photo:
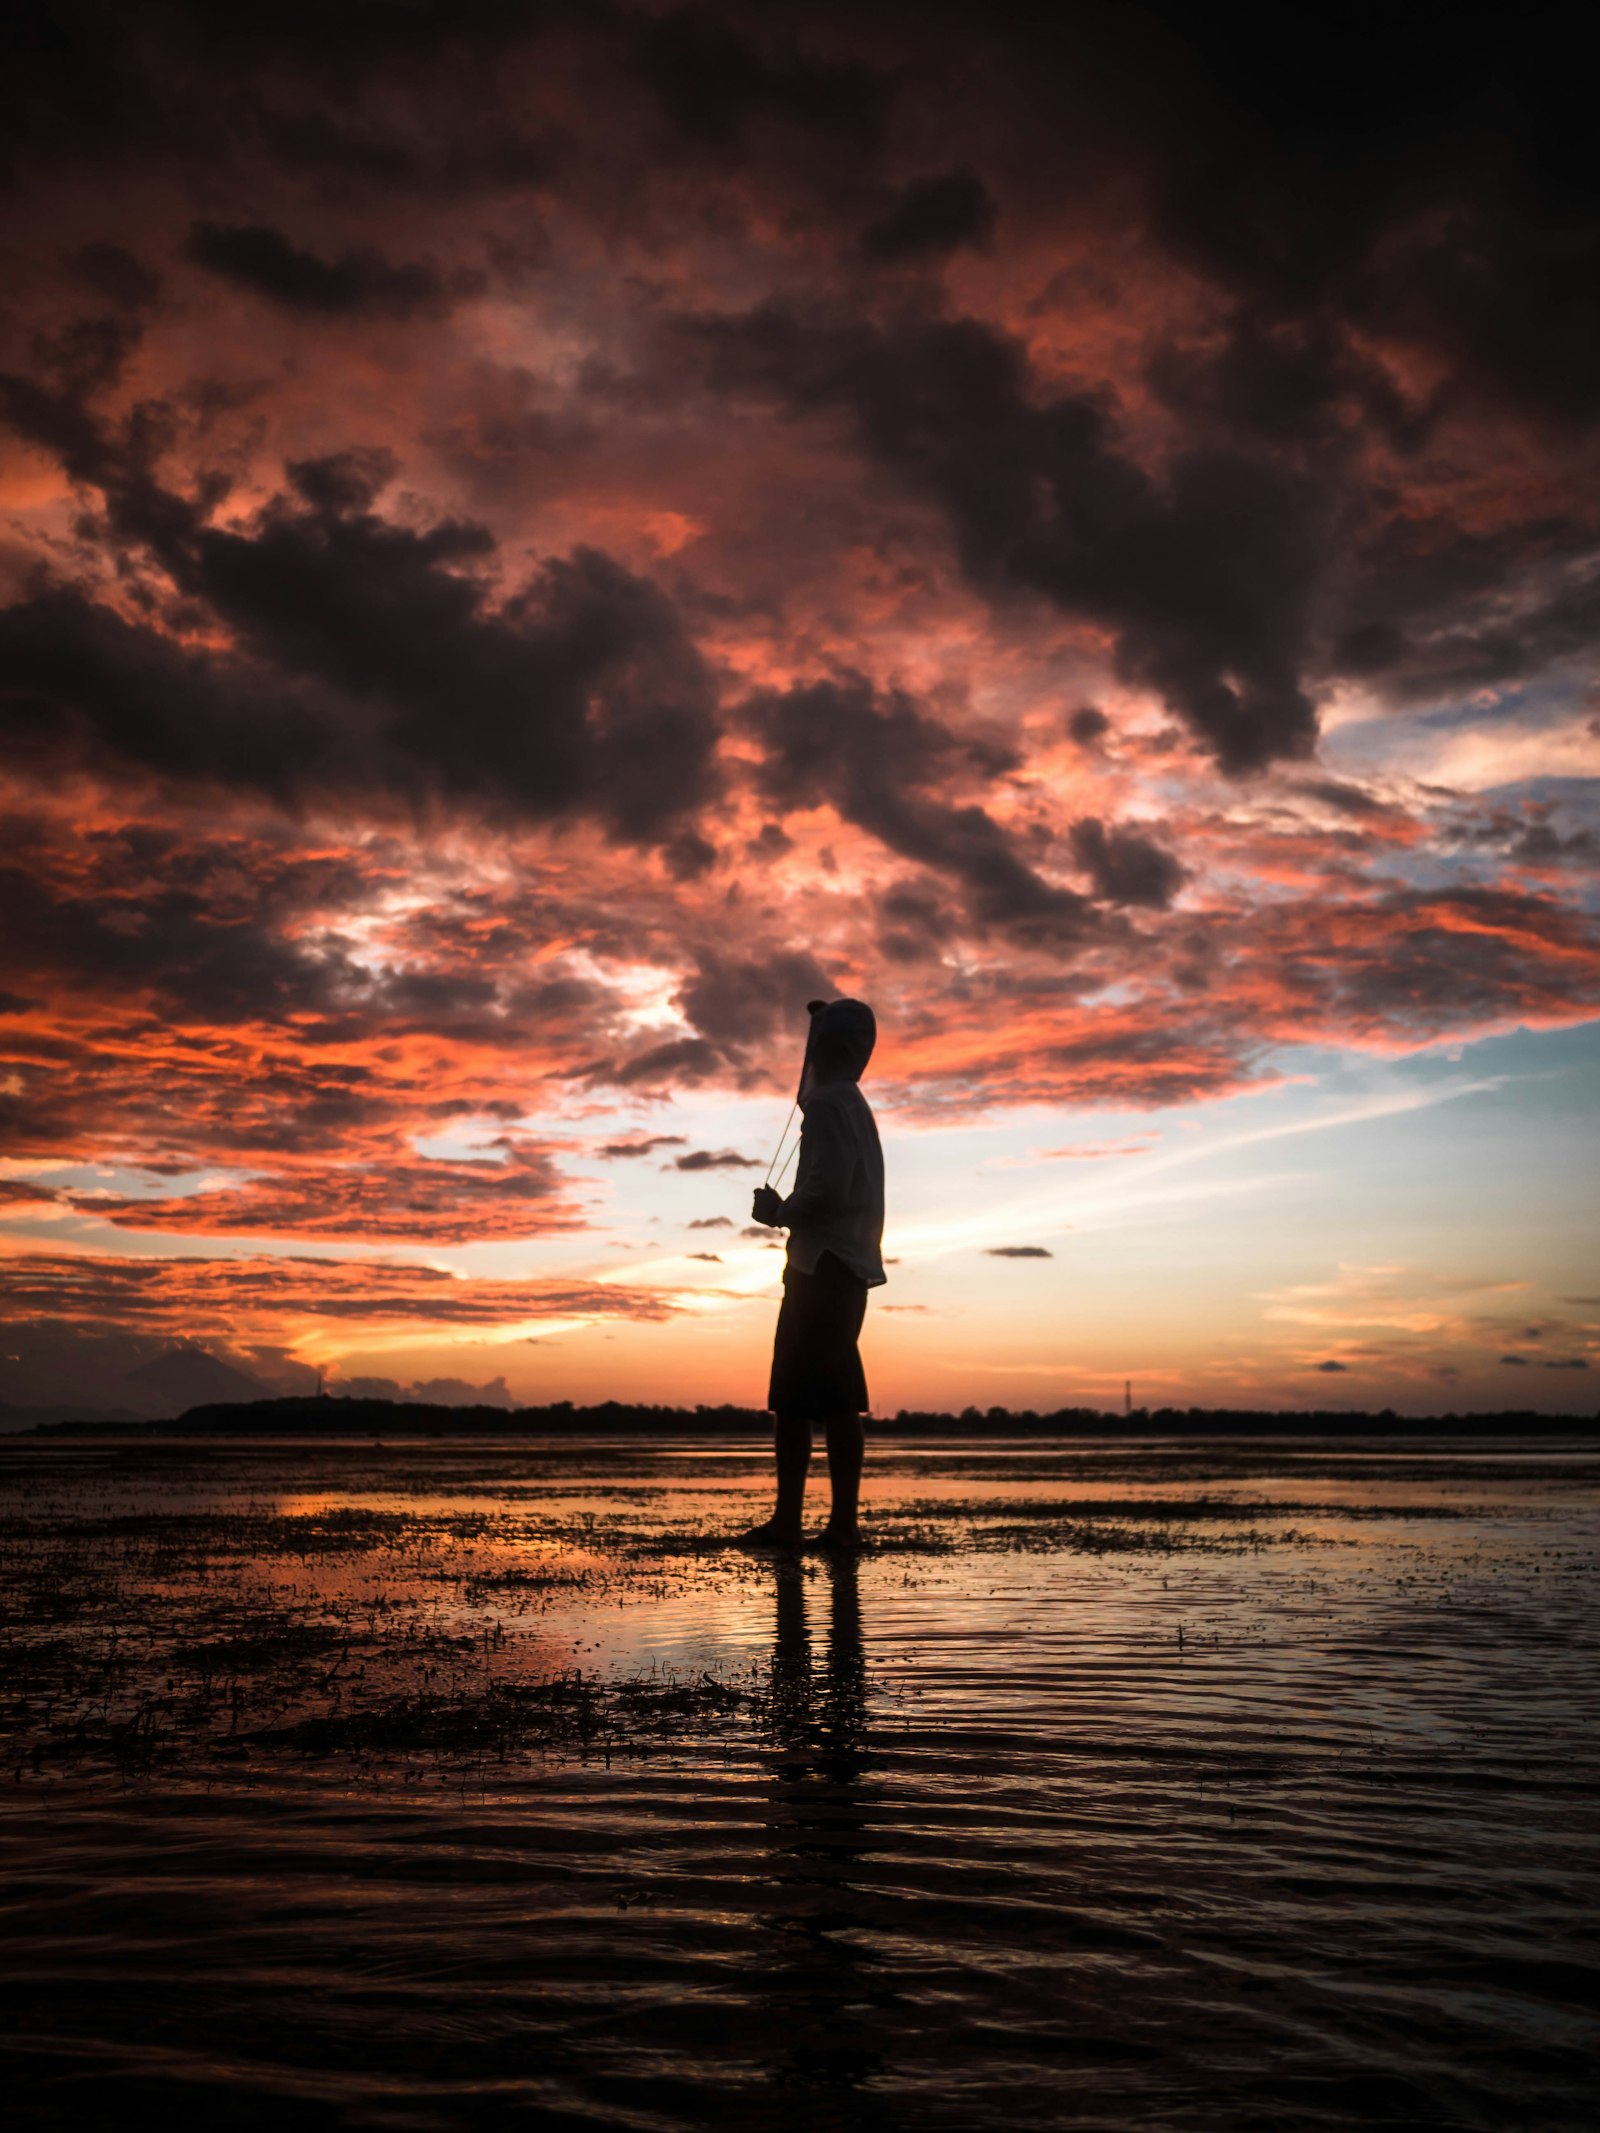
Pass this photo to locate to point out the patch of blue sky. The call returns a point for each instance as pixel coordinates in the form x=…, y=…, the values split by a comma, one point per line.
x=1446, y=865
x=1574, y=798
x=1531, y=1059
x=1461, y=1149
x=1549, y=702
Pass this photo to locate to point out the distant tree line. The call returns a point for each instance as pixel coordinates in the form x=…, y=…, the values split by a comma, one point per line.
x=561, y=1418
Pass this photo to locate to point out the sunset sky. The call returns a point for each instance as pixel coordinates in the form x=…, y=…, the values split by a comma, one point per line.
x=534, y=540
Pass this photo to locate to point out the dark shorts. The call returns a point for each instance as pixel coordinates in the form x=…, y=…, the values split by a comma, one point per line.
x=816, y=1365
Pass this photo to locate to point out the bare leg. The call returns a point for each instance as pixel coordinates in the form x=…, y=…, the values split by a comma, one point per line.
x=792, y=1443
x=847, y=1445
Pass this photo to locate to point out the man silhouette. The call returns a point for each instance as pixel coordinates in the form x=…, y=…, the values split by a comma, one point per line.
x=834, y=1218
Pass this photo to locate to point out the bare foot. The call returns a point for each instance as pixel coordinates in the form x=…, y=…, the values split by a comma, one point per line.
x=849, y=1540
x=769, y=1535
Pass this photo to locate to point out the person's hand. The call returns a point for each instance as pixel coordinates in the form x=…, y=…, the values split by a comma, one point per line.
x=767, y=1206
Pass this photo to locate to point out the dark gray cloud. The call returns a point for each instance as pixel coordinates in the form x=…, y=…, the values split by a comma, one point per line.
x=932, y=217
x=360, y=283
x=173, y=945
x=646, y=1144
x=722, y=1159
x=519, y=1193
x=919, y=925
x=1331, y=1369
x=1125, y=867
x=1018, y=1251
x=1540, y=844
x=371, y=658
x=680, y=1060
x=1431, y=191
x=210, y=929
x=1450, y=956
x=468, y=154
x=118, y=275
x=1207, y=575
x=1528, y=835
x=1432, y=609
x=178, y=82
x=744, y=1000
x=376, y=651
x=431, y=101
x=1297, y=385
x=716, y=82
x=1439, y=196
x=1465, y=225
x=879, y=760
x=1344, y=798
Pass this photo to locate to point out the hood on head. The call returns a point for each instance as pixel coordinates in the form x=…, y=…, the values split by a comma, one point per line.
x=838, y=1044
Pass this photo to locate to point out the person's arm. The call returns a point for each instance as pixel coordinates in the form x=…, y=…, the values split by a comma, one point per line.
x=823, y=1176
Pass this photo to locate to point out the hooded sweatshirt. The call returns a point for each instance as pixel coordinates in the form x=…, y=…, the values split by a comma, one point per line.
x=837, y=1202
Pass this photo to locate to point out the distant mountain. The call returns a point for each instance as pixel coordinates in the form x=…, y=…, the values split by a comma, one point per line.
x=186, y=1376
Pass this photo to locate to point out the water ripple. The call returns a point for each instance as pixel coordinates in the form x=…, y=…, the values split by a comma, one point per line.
x=1220, y=1830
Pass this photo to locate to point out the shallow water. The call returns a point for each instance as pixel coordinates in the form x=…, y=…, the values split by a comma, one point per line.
x=1232, y=1785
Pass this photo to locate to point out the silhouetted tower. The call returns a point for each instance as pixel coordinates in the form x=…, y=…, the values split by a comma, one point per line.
x=322, y=1382
x=1127, y=1398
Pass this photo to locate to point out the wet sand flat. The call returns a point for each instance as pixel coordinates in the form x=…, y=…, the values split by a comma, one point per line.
x=434, y=1785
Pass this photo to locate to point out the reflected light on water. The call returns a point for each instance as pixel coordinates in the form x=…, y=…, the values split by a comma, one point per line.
x=448, y=1785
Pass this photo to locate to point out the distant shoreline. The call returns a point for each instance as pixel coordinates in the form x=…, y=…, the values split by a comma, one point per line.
x=333, y=1417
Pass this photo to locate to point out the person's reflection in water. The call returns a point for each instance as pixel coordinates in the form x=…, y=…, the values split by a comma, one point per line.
x=827, y=1991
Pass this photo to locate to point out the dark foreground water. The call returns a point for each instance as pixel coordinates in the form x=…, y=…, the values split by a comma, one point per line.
x=1233, y=1786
